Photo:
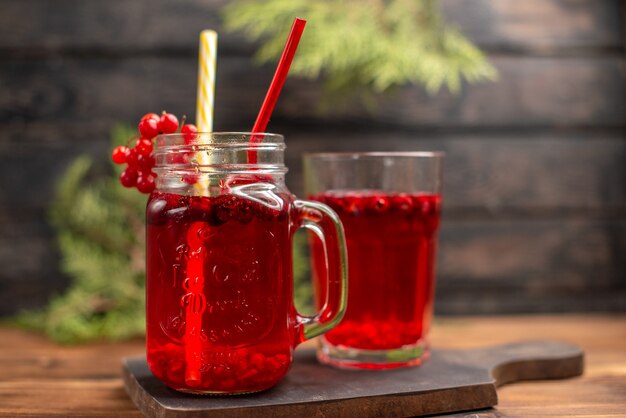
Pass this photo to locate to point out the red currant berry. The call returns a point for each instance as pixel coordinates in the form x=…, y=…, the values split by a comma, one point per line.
x=379, y=203
x=128, y=178
x=188, y=128
x=150, y=116
x=257, y=360
x=402, y=202
x=143, y=146
x=168, y=124
x=145, y=162
x=375, y=203
x=119, y=154
x=149, y=128
x=189, y=132
x=145, y=183
x=131, y=157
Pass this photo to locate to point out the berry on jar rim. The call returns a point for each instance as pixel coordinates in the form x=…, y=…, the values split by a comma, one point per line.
x=189, y=132
x=150, y=116
x=188, y=128
x=149, y=128
x=140, y=159
x=168, y=123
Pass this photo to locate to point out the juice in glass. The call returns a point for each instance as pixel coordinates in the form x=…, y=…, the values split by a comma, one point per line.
x=391, y=235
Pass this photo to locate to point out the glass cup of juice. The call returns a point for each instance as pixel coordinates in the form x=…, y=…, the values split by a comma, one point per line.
x=219, y=286
x=390, y=205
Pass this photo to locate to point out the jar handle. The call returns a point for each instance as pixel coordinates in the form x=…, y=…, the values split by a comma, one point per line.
x=324, y=222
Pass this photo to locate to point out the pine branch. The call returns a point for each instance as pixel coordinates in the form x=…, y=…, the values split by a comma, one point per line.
x=374, y=44
x=101, y=237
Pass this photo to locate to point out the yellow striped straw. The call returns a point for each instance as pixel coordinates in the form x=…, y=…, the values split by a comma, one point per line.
x=206, y=93
x=204, y=123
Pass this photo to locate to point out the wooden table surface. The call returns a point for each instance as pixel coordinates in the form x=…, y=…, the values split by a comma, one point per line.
x=39, y=378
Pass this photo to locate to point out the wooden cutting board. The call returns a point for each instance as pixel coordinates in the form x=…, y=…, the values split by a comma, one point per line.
x=450, y=381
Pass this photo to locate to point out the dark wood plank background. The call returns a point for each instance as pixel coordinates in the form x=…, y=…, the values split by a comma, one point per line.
x=535, y=181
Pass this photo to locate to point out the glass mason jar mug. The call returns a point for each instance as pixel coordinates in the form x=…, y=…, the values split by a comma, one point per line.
x=219, y=287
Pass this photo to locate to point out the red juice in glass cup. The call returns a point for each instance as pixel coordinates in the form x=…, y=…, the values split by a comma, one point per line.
x=391, y=302
x=392, y=240
x=219, y=286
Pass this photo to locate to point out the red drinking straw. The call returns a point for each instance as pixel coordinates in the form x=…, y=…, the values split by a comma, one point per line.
x=277, y=84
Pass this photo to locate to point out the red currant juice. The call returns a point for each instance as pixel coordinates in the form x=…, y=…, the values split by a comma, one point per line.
x=219, y=292
x=391, y=241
